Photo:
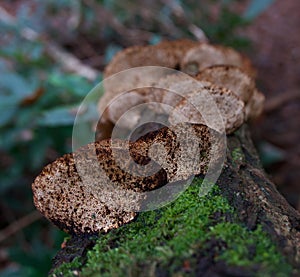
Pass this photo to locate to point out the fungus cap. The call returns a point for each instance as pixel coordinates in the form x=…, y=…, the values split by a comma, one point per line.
x=91, y=191
x=197, y=108
x=206, y=55
x=230, y=77
x=88, y=192
x=255, y=106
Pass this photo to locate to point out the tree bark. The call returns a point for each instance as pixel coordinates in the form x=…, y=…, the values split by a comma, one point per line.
x=256, y=199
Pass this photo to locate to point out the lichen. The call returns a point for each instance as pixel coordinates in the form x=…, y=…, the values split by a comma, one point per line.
x=176, y=237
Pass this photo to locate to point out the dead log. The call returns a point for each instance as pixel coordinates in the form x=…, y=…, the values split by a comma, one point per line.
x=256, y=201
x=255, y=197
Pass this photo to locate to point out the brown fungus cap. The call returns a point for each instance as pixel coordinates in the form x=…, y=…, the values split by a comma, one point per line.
x=87, y=193
x=206, y=55
x=174, y=148
x=239, y=82
x=198, y=108
x=165, y=54
x=177, y=87
x=255, y=106
x=230, y=77
x=98, y=198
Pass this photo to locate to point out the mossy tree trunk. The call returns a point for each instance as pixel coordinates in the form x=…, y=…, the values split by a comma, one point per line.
x=255, y=199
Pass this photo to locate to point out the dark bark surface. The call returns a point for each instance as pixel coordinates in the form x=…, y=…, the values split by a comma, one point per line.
x=256, y=199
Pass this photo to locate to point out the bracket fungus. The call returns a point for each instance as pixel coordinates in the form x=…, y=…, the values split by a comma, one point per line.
x=210, y=64
x=75, y=192
x=196, y=109
x=230, y=77
x=103, y=184
x=205, y=55
x=165, y=54
x=99, y=186
x=239, y=82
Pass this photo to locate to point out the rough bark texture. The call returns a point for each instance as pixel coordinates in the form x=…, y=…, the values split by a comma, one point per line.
x=245, y=184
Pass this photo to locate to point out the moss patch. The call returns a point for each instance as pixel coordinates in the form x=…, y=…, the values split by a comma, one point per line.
x=177, y=238
x=237, y=154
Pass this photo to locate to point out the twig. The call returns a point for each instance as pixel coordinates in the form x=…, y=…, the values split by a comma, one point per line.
x=179, y=12
x=68, y=61
x=19, y=224
x=198, y=33
x=280, y=100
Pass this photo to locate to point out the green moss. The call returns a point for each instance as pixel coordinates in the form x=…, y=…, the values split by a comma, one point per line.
x=240, y=241
x=68, y=269
x=178, y=232
x=237, y=154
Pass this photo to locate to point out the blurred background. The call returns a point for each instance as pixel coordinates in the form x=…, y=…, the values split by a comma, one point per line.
x=52, y=53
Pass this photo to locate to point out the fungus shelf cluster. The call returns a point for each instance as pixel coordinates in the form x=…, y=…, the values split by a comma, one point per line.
x=88, y=191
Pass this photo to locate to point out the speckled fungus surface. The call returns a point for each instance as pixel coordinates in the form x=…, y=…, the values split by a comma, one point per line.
x=83, y=193
x=89, y=191
x=239, y=82
x=231, y=109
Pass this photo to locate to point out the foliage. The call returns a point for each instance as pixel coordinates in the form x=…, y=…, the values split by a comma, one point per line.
x=178, y=232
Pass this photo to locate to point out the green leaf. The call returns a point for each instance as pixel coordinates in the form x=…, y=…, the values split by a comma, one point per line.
x=8, y=137
x=155, y=39
x=35, y=262
x=38, y=149
x=10, y=272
